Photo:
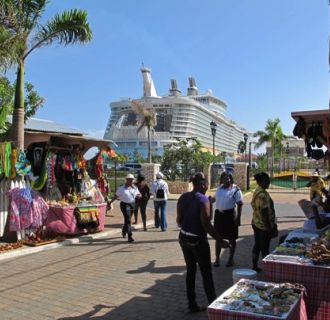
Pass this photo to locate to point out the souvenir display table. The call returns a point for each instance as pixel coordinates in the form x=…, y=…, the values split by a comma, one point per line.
x=257, y=300
x=62, y=220
x=313, y=273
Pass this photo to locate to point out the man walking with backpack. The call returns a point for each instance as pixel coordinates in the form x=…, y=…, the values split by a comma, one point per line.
x=159, y=189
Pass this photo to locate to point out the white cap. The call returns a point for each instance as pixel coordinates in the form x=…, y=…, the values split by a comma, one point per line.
x=159, y=175
x=129, y=176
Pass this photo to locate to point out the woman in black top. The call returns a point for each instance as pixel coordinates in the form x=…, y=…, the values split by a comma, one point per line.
x=142, y=202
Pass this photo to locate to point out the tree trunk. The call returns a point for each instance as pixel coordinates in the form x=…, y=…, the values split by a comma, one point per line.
x=17, y=130
x=149, y=146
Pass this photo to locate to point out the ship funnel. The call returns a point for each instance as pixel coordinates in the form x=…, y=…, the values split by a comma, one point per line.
x=192, y=90
x=149, y=89
x=174, y=91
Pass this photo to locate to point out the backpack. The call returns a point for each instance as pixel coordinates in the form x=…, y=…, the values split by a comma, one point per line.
x=160, y=194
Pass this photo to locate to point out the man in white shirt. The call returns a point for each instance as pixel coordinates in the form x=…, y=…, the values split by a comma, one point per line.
x=127, y=194
x=159, y=190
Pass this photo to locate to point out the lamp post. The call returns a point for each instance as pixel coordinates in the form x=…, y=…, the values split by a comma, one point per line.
x=250, y=154
x=287, y=155
x=213, y=126
x=245, y=137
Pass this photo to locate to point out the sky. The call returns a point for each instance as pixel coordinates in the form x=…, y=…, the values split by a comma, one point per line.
x=263, y=58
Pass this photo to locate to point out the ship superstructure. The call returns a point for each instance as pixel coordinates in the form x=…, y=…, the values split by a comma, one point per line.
x=178, y=116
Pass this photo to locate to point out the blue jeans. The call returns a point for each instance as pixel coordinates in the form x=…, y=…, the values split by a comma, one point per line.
x=160, y=221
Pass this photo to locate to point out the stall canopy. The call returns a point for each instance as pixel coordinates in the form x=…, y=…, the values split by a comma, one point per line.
x=39, y=130
x=312, y=117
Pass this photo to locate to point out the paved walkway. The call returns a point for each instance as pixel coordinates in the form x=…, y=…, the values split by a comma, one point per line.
x=108, y=278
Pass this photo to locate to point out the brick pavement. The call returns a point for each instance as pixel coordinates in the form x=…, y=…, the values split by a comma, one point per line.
x=108, y=278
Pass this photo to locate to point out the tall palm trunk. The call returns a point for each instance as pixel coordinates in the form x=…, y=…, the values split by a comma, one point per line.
x=273, y=154
x=17, y=132
x=149, y=146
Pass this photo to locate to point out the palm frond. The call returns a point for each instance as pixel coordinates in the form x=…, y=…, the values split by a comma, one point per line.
x=68, y=28
x=148, y=115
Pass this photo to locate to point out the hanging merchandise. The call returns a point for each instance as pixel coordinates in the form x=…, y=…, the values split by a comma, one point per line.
x=318, y=135
x=36, y=154
x=317, y=154
x=311, y=135
x=27, y=209
x=23, y=166
x=101, y=182
x=8, y=159
x=40, y=182
x=5, y=158
x=13, y=163
x=53, y=192
x=300, y=128
x=80, y=160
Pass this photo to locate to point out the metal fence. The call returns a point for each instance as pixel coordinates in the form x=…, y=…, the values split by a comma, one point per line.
x=295, y=179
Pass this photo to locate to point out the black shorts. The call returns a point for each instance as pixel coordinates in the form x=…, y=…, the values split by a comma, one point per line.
x=225, y=224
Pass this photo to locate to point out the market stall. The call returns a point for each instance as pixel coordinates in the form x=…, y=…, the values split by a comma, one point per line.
x=314, y=128
x=304, y=258
x=255, y=300
x=55, y=194
x=76, y=202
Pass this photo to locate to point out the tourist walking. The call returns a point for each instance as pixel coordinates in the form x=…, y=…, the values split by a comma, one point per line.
x=227, y=219
x=160, y=192
x=263, y=220
x=142, y=202
x=194, y=220
x=127, y=194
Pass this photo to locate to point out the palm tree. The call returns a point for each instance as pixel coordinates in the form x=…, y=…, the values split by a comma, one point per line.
x=149, y=121
x=273, y=133
x=8, y=45
x=27, y=34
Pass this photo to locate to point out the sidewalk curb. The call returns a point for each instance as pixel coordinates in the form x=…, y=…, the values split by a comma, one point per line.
x=84, y=238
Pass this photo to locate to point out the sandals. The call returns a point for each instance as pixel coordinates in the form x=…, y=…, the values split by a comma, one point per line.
x=216, y=264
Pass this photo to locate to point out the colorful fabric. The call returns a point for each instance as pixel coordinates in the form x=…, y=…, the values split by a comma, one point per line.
x=87, y=217
x=261, y=200
x=20, y=212
x=27, y=209
x=23, y=166
x=2, y=157
x=61, y=220
x=40, y=210
x=5, y=158
x=39, y=184
x=50, y=164
x=13, y=158
x=8, y=159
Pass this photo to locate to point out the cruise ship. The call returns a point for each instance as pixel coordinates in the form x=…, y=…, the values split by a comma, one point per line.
x=177, y=116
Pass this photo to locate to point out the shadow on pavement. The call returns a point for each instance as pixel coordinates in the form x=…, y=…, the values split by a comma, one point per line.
x=150, y=268
x=166, y=299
